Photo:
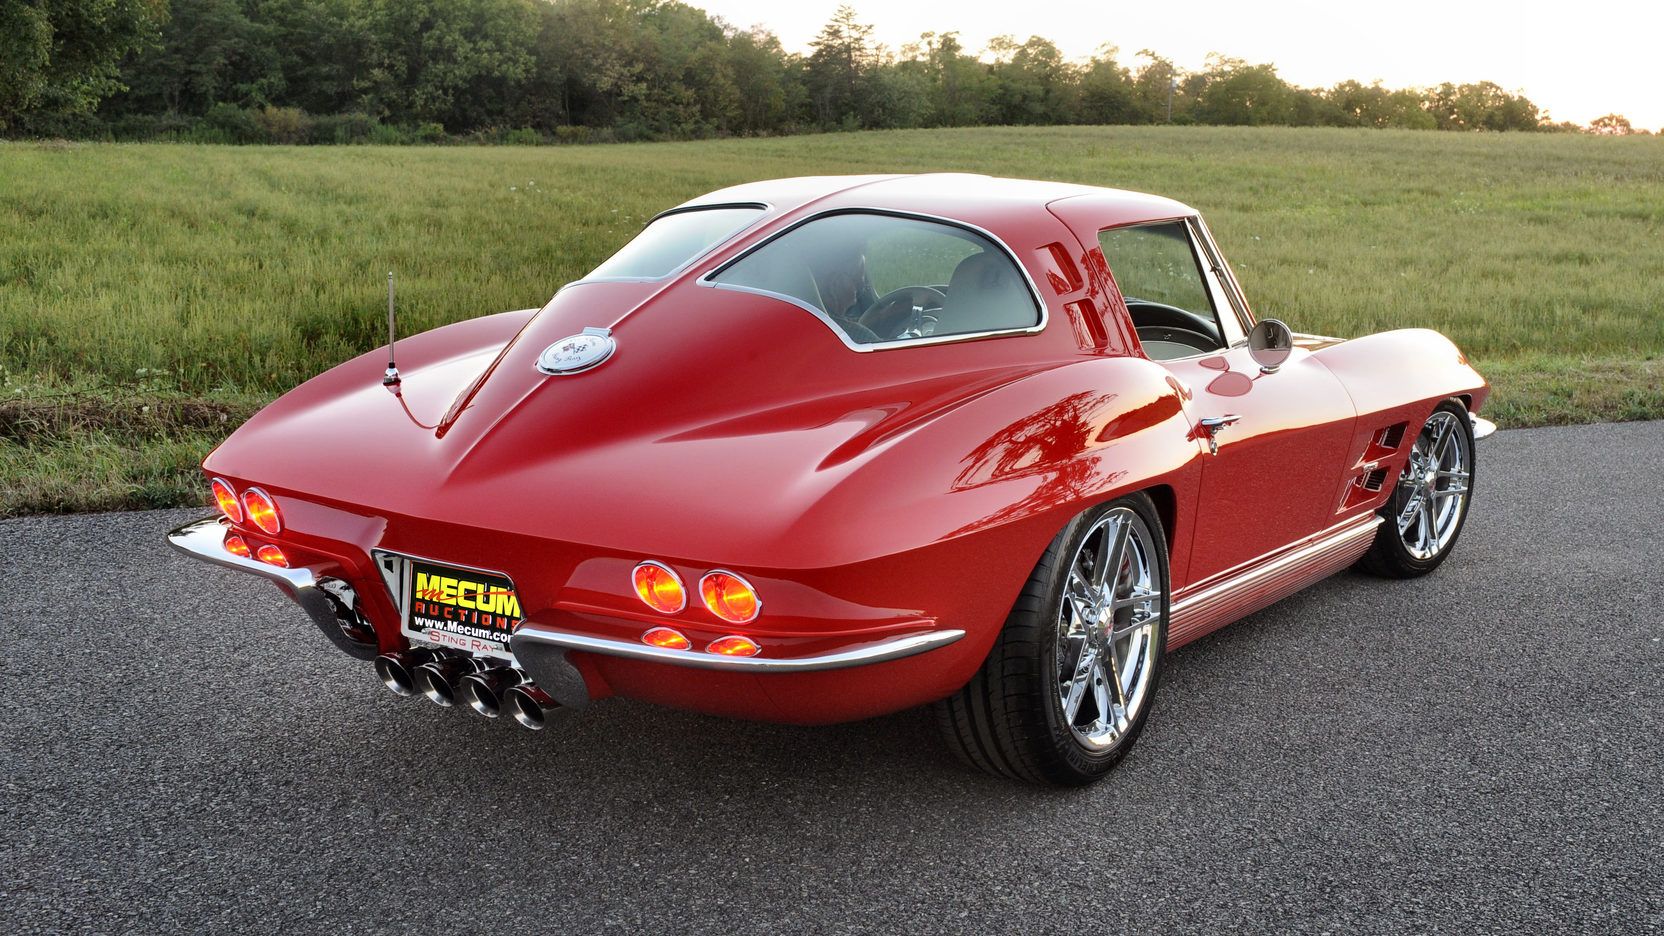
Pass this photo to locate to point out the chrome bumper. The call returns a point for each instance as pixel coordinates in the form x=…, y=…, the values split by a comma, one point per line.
x=205, y=540
x=541, y=635
x=1481, y=427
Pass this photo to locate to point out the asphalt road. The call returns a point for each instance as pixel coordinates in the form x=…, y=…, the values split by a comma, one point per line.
x=1477, y=751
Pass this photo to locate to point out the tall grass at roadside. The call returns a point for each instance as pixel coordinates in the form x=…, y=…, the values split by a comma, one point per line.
x=234, y=273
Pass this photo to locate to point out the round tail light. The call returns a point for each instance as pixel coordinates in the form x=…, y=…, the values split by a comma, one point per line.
x=734, y=645
x=236, y=545
x=226, y=498
x=262, y=510
x=667, y=638
x=271, y=555
x=730, y=597
x=659, y=587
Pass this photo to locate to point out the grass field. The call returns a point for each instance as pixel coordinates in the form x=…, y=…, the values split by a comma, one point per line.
x=151, y=296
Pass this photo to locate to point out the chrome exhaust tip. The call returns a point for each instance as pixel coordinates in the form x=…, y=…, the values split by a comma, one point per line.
x=484, y=690
x=530, y=706
x=397, y=670
x=438, y=680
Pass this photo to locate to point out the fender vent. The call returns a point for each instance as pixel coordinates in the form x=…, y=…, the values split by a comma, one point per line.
x=1373, y=480
x=1391, y=437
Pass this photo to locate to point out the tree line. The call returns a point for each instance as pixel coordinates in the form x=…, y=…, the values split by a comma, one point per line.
x=344, y=71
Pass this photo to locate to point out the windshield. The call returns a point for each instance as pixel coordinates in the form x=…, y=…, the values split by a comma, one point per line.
x=674, y=239
x=881, y=278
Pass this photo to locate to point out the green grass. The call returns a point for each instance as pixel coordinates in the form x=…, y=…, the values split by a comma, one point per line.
x=223, y=276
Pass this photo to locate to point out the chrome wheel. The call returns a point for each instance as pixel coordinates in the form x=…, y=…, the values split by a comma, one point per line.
x=1108, y=629
x=1434, y=486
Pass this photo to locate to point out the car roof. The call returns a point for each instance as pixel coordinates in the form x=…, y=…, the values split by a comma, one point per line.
x=978, y=199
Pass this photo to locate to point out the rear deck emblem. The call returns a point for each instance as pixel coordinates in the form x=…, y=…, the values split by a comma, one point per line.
x=577, y=353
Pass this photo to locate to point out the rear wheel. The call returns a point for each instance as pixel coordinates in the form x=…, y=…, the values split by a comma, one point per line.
x=1424, y=515
x=1067, y=687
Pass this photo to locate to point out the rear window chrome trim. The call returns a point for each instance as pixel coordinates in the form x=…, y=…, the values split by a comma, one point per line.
x=1034, y=291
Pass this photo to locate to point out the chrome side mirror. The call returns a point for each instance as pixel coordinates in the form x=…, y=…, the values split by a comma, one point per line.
x=1270, y=344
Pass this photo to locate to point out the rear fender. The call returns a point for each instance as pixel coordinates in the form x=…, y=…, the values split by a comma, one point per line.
x=985, y=487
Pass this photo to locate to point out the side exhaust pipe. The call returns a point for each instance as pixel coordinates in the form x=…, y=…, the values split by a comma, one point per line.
x=438, y=680
x=531, y=706
x=397, y=670
x=484, y=690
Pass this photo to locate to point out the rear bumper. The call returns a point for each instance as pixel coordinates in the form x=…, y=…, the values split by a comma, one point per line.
x=205, y=540
x=881, y=651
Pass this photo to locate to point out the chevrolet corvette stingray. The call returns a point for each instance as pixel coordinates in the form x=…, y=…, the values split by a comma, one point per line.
x=818, y=449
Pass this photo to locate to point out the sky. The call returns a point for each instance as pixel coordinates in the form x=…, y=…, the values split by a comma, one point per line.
x=1577, y=60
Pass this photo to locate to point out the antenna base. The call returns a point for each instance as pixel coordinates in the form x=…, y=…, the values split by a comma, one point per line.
x=391, y=378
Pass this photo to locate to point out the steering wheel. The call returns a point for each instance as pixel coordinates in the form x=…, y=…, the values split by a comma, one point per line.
x=1164, y=342
x=1146, y=314
x=905, y=312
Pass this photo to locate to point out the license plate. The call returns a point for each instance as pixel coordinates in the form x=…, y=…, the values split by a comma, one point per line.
x=458, y=608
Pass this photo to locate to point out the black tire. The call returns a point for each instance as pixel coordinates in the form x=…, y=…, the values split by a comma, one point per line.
x=1389, y=556
x=1008, y=719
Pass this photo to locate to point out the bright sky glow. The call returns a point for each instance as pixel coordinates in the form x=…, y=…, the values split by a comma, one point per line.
x=1576, y=60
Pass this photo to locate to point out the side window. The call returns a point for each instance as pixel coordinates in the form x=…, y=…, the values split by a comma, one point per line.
x=1158, y=270
x=879, y=278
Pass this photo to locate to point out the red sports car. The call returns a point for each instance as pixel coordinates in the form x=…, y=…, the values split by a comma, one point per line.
x=819, y=449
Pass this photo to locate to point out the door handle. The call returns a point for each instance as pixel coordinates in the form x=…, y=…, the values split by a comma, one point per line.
x=1212, y=424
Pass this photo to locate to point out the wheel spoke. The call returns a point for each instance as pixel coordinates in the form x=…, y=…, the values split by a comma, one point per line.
x=1448, y=492
x=1441, y=436
x=1412, y=508
x=1086, y=663
x=1429, y=534
x=1455, y=474
x=1077, y=594
x=1111, y=550
x=1100, y=694
x=1112, y=675
x=1133, y=626
x=1138, y=596
x=1071, y=702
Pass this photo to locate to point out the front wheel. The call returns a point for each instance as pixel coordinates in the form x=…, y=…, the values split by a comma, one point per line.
x=1068, y=685
x=1424, y=515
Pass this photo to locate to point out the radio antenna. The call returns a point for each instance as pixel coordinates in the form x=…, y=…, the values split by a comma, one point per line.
x=391, y=378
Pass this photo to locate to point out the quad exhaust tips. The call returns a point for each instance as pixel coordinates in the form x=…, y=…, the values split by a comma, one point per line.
x=484, y=690
x=488, y=690
x=440, y=679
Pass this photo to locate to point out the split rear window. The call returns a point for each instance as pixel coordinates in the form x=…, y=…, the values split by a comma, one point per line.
x=674, y=240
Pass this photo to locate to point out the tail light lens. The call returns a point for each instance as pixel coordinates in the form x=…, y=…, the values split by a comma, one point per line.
x=236, y=546
x=271, y=555
x=660, y=588
x=227, y=499
x=730, y=597
x=667, y=638
x=734, y=645
x=262, y=510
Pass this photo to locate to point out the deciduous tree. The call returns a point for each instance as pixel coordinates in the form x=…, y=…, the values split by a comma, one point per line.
x=61, y=57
